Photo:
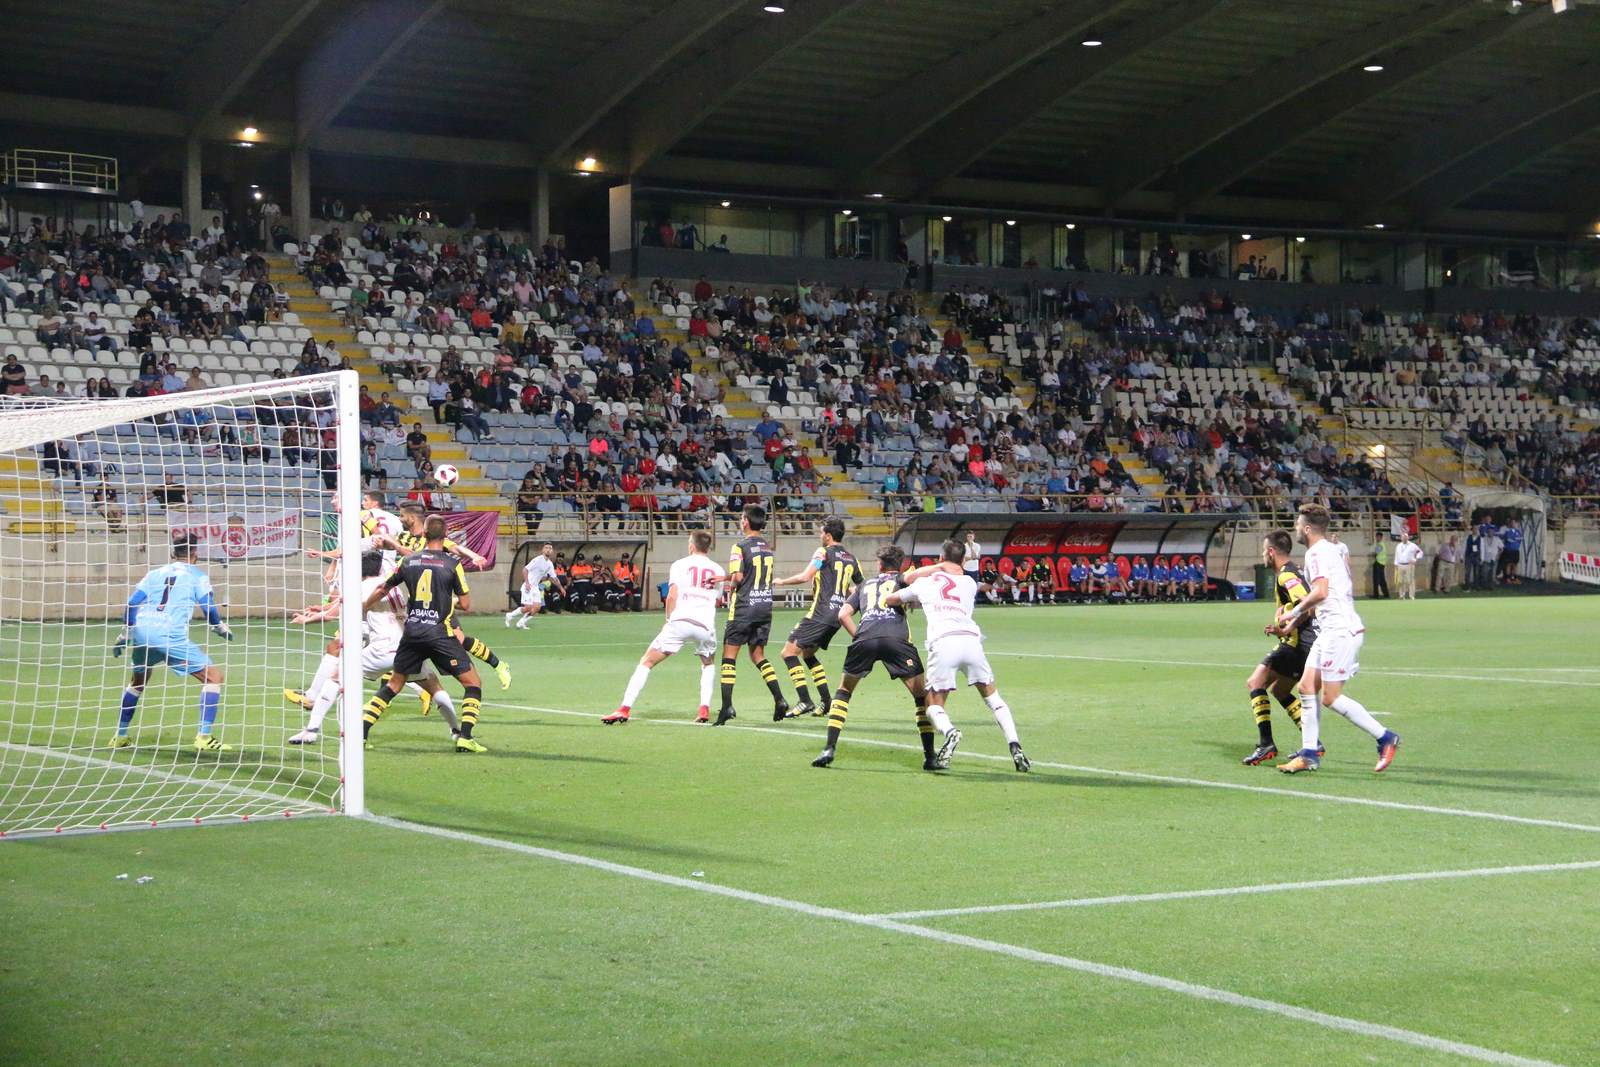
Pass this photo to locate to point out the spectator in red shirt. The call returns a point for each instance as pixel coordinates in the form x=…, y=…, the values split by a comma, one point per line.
x=953, y=341
x=702, y=290
x=481, y=322
x=772, y=449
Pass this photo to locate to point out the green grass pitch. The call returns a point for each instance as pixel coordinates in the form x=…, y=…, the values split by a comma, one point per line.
x=336, y=941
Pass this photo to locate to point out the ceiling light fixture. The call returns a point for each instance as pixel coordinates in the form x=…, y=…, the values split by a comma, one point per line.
x=1093, y=42
x=773, y=9
x=951, y=218
x=876, y=196
x=1299, y=240
x=1244, y=237
x=1373, y=68
x=727, y=203
x=847, y=212
x=256, y=194
x=1011, y=222
x=588, y=163
x=249, y=131
x=1377, y=225
x=1072, y=225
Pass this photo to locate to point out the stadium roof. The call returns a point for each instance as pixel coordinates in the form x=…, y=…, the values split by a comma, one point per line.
x=1184, y=108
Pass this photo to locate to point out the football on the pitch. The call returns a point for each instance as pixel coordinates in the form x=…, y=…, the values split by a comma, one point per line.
x=445, y=474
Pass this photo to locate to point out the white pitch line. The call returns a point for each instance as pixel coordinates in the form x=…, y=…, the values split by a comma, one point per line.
x=1244, y=890
x=1101, y=970
x=1390, y=671
x=1143, y=776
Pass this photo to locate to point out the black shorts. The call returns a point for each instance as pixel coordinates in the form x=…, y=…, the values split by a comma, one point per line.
x=1511, y=556
x=1289, y=661
x=752, y=630
x=442, y=649
x=813, y=633
x=898, y=656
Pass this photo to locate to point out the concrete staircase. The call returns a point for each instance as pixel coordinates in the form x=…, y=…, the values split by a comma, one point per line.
x=32, y=503
x=474, y=490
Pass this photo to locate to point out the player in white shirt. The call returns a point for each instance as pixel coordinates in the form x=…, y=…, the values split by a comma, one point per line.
x=376, y=521
x=1336, y=653
x=539, y=569
x=381, y=630
x=691, y=610
x=954, y=642
x=1407, y=554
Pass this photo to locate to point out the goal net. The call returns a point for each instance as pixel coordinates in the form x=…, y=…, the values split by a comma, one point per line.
x=96, y=497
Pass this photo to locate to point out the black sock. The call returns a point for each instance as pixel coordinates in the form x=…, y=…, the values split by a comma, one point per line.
x=1291, y=704
x=730, y=675
x=1261, y=707
x=769, y=674
x=478, y=650
x=925, y=728
x=838, y=711
x=470, y=704
x=819, y=675
x=797, y=675
x=375, y=709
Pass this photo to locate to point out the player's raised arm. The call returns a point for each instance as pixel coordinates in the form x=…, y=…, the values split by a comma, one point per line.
x=463, y=593
x=813, y=565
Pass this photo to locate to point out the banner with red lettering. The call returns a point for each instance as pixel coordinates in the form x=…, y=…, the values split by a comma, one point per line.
x=239, y=534
x=477, y=530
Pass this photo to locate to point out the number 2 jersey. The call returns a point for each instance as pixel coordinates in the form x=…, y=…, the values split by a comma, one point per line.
x=433, y=581
x=947, y=600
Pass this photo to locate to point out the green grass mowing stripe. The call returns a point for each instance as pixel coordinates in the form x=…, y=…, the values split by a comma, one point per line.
x=1020, y=952
x=1387, y=671
x=1138, y=775
x=1247, y=890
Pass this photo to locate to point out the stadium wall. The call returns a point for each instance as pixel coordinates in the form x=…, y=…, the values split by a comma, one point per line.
x=1254, y=293
x=761, y=270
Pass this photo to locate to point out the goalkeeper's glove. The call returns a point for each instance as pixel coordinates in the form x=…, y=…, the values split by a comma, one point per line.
x=222, y=631
x=122, y=643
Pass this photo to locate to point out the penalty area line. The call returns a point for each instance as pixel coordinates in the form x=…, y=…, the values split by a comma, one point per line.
x=1142, y=776
x=1177, y=986
x=1387, y=671
x=1246, y=890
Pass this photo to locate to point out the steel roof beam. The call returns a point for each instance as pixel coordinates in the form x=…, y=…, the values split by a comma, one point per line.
x=342, y=63
x=211, y=76
x=590, y=91
x=669, y=110
x=971, y=131
x=1240, y=152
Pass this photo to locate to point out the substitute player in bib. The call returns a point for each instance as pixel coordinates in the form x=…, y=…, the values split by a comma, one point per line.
x=750, y=613
x=537, y=571
x=955, y=643
x=155, y=624
x=435, y=586
x=881, y=636
x=833, y=572
x=382, y=627
x=1335, y=654
x=691, y=610
x=1279, y=671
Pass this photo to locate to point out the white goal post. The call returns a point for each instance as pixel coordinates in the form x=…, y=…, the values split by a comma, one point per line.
x=238, y=482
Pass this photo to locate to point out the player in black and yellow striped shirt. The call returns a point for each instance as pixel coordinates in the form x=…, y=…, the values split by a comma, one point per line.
x=412, y=516
x=833, y=573
x=1280, y=669
x=749, y=612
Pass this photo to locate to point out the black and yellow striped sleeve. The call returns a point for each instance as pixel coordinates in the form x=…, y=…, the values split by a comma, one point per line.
x=461, y=581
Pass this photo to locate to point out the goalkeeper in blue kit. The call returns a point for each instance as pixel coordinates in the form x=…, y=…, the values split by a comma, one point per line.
x=156, y=627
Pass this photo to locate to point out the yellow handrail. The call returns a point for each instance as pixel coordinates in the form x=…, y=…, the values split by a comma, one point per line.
x=43, y=166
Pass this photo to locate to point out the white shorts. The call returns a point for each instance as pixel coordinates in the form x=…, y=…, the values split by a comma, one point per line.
x=533, y=598
x=1337, y=656
x=379, y=659
x=957, y=652
x=677, y=633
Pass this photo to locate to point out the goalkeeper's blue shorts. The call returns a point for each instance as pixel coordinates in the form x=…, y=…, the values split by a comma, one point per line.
x=153, y=648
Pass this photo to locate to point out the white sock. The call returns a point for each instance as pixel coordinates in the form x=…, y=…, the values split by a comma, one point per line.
x=1359, y=715
x=1308, y=722
x=326, y=695
x=447, y=709
x=512, y=614
x=941, y=721
x=708, y=682
x=641, y=675
x=522, y=623
x=327, y=669
x=1002, y=715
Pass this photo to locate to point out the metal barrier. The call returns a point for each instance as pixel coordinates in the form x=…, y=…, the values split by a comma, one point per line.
x=44, y=169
